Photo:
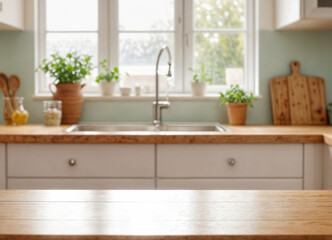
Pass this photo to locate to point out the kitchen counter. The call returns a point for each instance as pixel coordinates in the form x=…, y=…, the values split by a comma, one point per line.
x=165, y=215
x=238, y=134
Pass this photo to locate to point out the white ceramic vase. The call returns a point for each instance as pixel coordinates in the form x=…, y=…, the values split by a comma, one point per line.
x=198, y=89
x=107, y=88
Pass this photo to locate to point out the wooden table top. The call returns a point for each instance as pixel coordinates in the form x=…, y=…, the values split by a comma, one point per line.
x=238, y=134
x=165, y=215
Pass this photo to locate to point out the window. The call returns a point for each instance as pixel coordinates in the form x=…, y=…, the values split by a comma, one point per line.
x=218, y=35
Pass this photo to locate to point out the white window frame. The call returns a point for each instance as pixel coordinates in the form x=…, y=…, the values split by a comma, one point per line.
x=108, y=44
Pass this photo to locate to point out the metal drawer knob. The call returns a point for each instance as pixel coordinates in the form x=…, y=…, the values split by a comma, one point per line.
x=231, y=162
x=72, y=162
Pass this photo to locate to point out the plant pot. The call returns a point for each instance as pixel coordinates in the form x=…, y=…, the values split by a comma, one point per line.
x=72, y=101
x=198, y=88
x=237, y=113
x=107, y=88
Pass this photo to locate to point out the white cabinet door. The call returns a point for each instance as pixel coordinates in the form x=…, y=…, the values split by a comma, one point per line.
x=303, y=14
x=327, y=166
x=230, y=166
x=81, y=160
x=230, y=184
x=2, y=166
x=230, y=160
x=90, y=184
x=11, y=14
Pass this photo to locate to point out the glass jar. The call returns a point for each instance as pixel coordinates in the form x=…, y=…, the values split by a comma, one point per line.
x=52, y=113
x=19, y=116
x=8, y=110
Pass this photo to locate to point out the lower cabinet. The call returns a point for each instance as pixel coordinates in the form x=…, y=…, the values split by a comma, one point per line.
x=230, y=184
x=166, y=166
x=327, y=172
x=81, y=166
x=3, y=166
x=91, y=184
x=230, y=166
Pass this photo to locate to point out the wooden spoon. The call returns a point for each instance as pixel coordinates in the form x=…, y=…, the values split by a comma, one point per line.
x=14, y=84
x=4, y=87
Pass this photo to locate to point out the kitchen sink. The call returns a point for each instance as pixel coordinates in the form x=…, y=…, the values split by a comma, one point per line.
x=141, y=127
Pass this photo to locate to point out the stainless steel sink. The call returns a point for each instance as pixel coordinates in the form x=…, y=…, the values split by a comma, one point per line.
x=141, y=127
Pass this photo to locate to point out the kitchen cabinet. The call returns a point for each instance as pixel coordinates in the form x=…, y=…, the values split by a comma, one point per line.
x=230, y=166
x=80, y=166
x=327, y=173
x=11, y=14
x=166, y=166
x=303, y=14
x=2, y=166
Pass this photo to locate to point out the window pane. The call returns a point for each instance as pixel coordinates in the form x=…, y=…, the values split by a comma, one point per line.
x=84, y=43
x=219, y=14
x=222, y=55
x=146, y=15
x=138, y=56
x=65, y=15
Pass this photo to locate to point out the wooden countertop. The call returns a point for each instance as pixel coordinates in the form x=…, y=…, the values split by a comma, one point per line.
x=238, y=134
x=165, y=215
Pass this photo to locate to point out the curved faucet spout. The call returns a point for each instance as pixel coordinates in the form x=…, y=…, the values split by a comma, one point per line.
x=159, y=105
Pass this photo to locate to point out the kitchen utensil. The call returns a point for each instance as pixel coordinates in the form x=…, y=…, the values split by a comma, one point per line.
x=4, y=87
x=4, y=76
x=298, y=99
x=14, y=84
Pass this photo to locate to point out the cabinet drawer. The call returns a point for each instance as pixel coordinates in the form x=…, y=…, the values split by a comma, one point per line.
x=92, y=160
x=96, y=184
x=251, y=160
x=230, y=184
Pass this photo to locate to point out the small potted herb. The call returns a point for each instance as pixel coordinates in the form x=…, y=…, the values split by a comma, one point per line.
x=329, y=112
x=199, y=81
x=107, y=79
x=237, y=102
x=68, y=73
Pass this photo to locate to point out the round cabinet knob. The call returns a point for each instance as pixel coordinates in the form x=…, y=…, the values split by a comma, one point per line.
x=72, y=162
x=231, y=162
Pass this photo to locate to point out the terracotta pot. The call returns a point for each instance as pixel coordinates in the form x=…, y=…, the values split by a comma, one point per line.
x=198, y=88
x=107, y=88
x=72, y=101
x=237, y=113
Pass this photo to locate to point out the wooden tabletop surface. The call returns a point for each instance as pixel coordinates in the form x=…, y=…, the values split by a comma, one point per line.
x=238, y=134
x=165, y=215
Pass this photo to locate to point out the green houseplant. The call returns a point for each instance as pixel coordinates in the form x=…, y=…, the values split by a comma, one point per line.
x=237, y=102
x=199, y=81
x=329, y=113
x=68, y=73
x=107, y=79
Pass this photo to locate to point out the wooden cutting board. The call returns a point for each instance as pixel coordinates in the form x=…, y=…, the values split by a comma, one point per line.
x=298, y=99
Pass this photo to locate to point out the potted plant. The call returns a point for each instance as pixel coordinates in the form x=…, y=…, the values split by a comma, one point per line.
x=237, y=102
x=68, y=72
x=199, y=81
x=107, y=79
x=329, y=113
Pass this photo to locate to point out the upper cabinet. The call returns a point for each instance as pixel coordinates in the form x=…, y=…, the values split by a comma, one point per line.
x=303, y=14
x=11, y=14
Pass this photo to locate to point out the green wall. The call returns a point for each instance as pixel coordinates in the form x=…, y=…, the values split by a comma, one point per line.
x=277, y=48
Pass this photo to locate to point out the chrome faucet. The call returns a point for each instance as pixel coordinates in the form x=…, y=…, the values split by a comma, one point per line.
x=159, y=105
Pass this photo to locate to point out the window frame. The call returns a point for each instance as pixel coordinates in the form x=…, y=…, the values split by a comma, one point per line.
x=108, y=44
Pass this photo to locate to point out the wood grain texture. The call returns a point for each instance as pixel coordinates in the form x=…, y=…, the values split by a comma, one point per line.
x=280, y=101
x=238, y=134
x=161, y=215
x=298, y=99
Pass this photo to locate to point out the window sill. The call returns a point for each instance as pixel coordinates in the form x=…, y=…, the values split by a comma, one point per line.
x=143, y=98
